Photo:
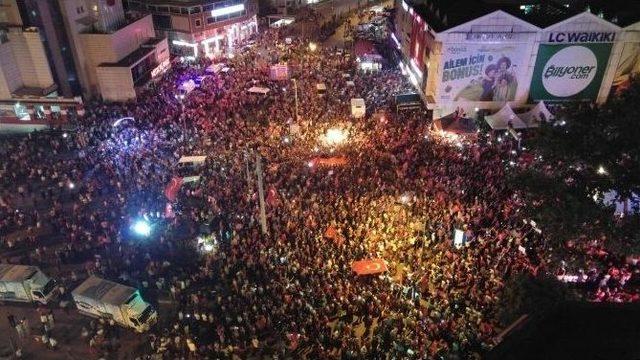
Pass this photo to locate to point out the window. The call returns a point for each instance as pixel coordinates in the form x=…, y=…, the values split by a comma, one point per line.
x=80, y=10
x=198, y=23
x=163, y=9
x=195, y=10
x=184, y=11
x=175, y=10
x=210, y=20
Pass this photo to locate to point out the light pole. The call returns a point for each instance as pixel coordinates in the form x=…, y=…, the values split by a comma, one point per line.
x=295, y=89
x=263, y=216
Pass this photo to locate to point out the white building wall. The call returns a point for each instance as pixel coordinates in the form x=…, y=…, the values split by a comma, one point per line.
x=31, y=59
x=10, y=79
x=116, y=83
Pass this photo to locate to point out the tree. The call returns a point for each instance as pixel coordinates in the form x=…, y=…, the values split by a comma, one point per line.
x=598, y=146
x=525, y=294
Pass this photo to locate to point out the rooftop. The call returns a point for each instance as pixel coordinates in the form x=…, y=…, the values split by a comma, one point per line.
x=10, y=272
x=445, y=14
x=178, y=2
x=90, y=21
x=106, y=291
x=132, y=58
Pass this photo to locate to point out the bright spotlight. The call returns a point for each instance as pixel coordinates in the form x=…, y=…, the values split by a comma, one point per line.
x=142, y=228
x=72, y=185
x=601, y=170
x=208, y=247
x=313, y=46
x=65, y=135
x=335, y=136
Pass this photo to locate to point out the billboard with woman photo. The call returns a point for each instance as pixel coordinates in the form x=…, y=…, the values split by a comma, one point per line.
x=482, y=72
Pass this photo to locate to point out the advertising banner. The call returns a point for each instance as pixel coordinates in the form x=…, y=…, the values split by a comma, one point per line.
x=482, y=72
x=628, y=67
x=279, y=72
x=569, y=72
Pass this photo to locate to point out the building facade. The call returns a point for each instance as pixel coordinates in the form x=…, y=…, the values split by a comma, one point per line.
x=114, y=55
x=499, y=58
x=200, y=27
x=29, y=96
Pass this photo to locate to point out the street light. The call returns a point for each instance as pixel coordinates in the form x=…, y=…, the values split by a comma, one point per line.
x=295, y=88
x=313, y=46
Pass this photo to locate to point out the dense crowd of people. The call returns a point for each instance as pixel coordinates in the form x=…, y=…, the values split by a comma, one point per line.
x=289, y=293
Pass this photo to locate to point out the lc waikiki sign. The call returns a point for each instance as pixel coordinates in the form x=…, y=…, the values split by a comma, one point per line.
x=581, y=37
x=569, y=71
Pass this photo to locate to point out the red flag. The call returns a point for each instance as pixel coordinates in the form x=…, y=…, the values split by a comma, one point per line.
x=272, y=196
x=168, y=211
x=332, y=161
x=171, y=191
x=333, y=234
x=369, y=266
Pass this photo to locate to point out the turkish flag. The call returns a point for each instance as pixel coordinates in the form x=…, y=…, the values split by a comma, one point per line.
x=331, y=161
x=171, y=191
x=334, y=235
x=272, y=196
x=369, y=266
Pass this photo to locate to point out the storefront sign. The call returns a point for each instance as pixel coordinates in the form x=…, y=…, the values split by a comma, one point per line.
x=569, y=72
x=581, y=37
x=497, y=36
x=482, y=72
x=279, y=72
x=160, y=69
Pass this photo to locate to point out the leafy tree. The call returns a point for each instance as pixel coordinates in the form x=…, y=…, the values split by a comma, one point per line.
x=525, y=294
x=599, y=146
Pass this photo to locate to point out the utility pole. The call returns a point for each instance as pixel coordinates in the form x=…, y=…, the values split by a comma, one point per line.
x=263, y=215
x=295, y=89
x=246, y=165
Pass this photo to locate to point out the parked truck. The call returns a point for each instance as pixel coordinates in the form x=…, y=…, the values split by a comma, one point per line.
x=22, y=283
x=100, y=298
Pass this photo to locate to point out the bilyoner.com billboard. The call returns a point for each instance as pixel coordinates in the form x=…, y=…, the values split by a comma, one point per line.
x=569, y=71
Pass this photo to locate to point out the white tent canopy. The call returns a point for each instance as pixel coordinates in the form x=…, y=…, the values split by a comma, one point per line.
x=258, y=90
x=192, y=159
x=539, y=113
x=532, y=118
x=501, y=119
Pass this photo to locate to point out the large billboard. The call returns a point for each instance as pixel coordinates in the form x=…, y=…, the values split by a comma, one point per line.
x=569, y=71
x=482, y=72
x=628, y=67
